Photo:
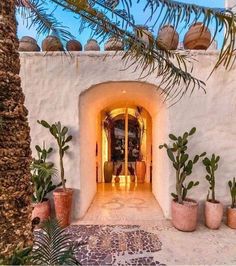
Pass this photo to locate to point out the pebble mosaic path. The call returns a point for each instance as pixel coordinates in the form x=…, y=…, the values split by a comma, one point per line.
x=115, y=245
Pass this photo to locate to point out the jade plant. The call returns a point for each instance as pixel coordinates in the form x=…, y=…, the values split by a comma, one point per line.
x=183, y=165
x=60, y=133
x=232, y=187
x=211, y=165
x=42, y=172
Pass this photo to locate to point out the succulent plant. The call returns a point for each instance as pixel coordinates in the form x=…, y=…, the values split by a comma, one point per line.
x=211, y=165
x=232, y=187
x=60, y=133
x=177, y=153
x=42, y=172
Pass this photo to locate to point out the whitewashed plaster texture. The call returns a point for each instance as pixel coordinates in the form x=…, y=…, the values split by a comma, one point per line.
x=58, y=88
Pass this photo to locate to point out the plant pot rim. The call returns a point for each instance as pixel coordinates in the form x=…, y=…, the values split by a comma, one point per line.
x=61, y=191
x=229, y=207
x=46, y=200
x=186, y=201
x=216, y=202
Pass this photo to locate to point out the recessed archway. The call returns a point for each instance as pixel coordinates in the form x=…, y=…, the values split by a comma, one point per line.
x=117, y=95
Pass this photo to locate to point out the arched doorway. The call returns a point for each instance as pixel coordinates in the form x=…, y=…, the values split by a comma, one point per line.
x=112, y=96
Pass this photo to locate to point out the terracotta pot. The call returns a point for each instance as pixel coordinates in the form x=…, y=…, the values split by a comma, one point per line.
x=213, y=214
x=63, y=202
x=114, y=44
x=143, y=34
x=184, y=216
x=198, y=37
x=74, y=45
x=168, y=38
x=28, y=44
x=231, y=217
x=92, y=45
x=108, y=171
x=140, y=168
x=132, y=178
x=52, y=43
x=117, y=179
x=41, y=210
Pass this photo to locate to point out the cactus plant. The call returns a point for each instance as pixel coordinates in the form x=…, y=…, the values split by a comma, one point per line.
x=42, y=172
x=62, y=138
x=232, y=187
x=211, y=165
x=177, y=153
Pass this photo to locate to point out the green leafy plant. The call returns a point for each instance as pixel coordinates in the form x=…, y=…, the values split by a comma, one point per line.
x=42, y=172
x=177, y=153
x=19, y=257
x=60, y=133
x=232, y=188
x=211, y=165
x=53, y=246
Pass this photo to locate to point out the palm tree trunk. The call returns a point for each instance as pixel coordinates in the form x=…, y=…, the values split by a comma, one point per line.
x=15, y=153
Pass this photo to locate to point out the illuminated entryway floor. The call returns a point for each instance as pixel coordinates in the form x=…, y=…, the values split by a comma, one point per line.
x=123, y=204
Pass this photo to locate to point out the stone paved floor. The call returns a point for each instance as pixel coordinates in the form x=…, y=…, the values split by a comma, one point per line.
x=128, y=214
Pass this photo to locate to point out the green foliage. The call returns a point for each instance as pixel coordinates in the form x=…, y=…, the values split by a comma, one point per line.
x=60, y=133
x=19, y=257
x=232, y=188
x=183, y=165
x=42, y=172
x=53, y=246
x=211, y=165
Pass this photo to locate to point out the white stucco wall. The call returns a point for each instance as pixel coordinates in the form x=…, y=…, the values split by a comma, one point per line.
x=53, y=83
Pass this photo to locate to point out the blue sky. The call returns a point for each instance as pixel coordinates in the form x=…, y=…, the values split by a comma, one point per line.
x=73, y=24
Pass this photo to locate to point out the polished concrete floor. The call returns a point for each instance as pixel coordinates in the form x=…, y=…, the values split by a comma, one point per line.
x=123, y=204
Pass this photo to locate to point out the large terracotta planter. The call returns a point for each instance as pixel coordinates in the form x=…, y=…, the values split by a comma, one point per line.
x=184, y=216
x=114, y=44
x=168, y=38
x=92, y=45
x=198, y=37
x=143, y=34
x=140, y=168
x=41, y=210
x=52, y=43
x=63, y=202
x=108, y=171
x=28, y=44
x=74, y=45
x=231, y=217
x=213, y=214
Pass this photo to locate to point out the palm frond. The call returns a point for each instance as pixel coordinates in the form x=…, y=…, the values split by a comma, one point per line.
x=53, y=246
x=35, y=14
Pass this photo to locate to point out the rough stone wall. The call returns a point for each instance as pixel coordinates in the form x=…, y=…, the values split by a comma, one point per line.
x=53, y=82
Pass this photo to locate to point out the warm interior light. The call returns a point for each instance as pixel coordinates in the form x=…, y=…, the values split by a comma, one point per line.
x=123, y=91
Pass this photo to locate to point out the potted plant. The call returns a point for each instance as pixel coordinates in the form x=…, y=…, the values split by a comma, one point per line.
x=213, y=208
x=131, y=171
x=184, y=210
x=62, y=196
x=231, y=211
x=118, y=171
x=42, y=172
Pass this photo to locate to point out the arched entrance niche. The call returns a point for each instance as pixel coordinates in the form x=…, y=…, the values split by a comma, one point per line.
x=118, y=95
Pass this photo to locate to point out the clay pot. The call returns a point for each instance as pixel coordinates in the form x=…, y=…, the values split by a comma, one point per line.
x=213, y=214
x=132, y=178
x=52, y=43
x=198, y=37
x=74, y=45
x=168, y=38
x=143, y=34
x=140, y=168
x=92, y=45
x=28, y=44
x=184, y=216
x=41, y=210
x=231, y=217
x=117, y=179
x=114, y=44
x=63, y=202
x=108, y=171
